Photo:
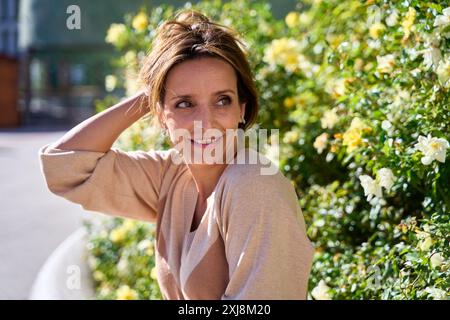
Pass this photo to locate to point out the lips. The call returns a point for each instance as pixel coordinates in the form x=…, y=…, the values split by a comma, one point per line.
x=205, y=142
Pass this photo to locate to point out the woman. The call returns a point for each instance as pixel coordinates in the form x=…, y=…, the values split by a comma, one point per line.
x=224, y=230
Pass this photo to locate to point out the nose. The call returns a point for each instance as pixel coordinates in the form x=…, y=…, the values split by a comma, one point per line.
x=206, y=117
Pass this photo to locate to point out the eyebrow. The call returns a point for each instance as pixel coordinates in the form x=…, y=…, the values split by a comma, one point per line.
x=215, y=93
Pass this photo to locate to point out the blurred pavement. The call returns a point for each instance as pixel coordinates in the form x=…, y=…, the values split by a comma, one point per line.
x=33, y=221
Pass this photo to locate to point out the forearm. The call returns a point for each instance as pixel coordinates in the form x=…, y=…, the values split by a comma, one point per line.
x=99, y=132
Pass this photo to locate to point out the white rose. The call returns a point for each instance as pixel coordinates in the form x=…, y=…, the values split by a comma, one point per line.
x=436, y=260
x=329, y=119
x=443, y=19
x=321, y=292
x=122, y=266
x=321, y=142
x=388, y=127
x=386, y=63
x=436, y=293
x=425, y=244
x=432, y=148
x=386, y=178
x=431, y=57
x=371, y=187
x=392, y=19
x=144, y=244
x=110, y=82
x=443, y=71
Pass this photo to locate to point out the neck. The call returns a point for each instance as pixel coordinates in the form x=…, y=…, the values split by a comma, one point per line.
x=206, y=178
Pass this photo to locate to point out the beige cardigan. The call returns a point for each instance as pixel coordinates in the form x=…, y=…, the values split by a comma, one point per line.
x=251, y=242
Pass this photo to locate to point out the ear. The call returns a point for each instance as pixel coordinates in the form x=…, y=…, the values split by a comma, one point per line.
x=161, y=115
x=243, y=110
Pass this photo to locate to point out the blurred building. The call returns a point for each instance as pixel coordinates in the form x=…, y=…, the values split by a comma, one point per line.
x=9, y=66
x=51, y=75
x=63, y=70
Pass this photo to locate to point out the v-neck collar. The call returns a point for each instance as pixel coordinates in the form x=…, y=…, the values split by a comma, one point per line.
x=193, y=196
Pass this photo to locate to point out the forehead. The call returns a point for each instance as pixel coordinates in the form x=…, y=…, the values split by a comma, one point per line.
x=200, y=75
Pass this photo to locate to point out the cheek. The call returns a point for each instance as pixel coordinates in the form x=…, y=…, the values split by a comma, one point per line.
x=229, y=123
x=178, y=128
x=230, y=117
x=178, y=123
x=172, y=121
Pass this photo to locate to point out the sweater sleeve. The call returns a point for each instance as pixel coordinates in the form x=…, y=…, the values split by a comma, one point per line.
x=117, y=183
x=269, y=255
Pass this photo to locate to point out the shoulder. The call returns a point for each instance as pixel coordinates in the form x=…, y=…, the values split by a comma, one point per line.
x=248, y=195
x=256, y=180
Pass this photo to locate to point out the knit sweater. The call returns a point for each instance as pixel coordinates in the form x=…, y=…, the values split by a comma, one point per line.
x=251, y=242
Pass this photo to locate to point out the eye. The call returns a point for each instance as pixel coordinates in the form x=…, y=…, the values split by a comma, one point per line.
x=181, y=106
x=226, y=99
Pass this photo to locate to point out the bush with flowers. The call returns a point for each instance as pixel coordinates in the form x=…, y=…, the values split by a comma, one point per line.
x=360, y=93
x=122, y=258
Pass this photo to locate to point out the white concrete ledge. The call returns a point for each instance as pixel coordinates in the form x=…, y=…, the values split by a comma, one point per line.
x=66, y=274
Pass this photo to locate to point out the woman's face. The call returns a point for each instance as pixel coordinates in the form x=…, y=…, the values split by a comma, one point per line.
x=202, y=94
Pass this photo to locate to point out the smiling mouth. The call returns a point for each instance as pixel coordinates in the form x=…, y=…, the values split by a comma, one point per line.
x=205, y=142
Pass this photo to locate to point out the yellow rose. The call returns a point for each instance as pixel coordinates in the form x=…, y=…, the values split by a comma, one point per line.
x=338, y=136
x=149, y=251
x=285, y=52
x=289, y=102
x=333, y=148
x=291, y=137
x=130, y=58
x=116, y=34
x=153, y=273
x=140, y=22
x=376, y=29
x=126, y=293
x=335, y=39
x=292, y=19
x=118, y=235
x=98, y=275
x=409, y=18
x=129, y=224
x=352, y=138
x=408, y=22
x=358, y=124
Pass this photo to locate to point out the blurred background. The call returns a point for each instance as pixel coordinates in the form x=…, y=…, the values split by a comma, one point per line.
x=51, y=75
x=358, y=89
x=50, y=80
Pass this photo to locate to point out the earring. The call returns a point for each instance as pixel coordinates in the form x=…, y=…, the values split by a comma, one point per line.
x=242, y=120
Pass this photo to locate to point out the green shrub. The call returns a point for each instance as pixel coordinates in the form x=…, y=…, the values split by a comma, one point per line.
x=122, y=257
x=357, y=121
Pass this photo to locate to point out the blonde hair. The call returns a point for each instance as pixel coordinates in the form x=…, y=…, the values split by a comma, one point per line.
x=191, y=35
